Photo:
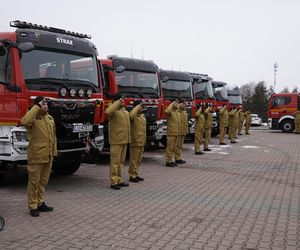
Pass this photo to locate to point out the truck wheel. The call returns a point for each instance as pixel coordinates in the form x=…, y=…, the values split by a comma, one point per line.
x=2, y=177
x=164, y=141
x=66, y=168
x=2, y=223
x=287, y=126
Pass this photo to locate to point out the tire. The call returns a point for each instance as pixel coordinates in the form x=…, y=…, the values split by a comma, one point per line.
x=2, y=223
x=66, y=165
x=164, y=141
x=287, y=126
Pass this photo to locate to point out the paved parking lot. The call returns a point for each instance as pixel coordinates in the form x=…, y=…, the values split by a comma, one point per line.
x=245, y=196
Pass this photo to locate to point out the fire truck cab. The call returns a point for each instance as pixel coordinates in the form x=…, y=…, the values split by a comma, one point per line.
x=135, y=79
x=234, y=98
x=281, y=109
x=62, y=66
x=177, y=84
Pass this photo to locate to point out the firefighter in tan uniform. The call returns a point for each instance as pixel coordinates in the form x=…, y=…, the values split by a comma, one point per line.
x=248, y=119
x=173, y=121
x=223, y=124
x=199, y=130
x=41, y=150
x=241, y=121
x=297, y=122
x=208, y=126
x=138, y=140
x=183, y=131
x=233, y=117
x=119, y=137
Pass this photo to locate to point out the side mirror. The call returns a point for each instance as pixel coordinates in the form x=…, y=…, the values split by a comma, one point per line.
x=2, y=51
x=26, y=47
x=120, y=69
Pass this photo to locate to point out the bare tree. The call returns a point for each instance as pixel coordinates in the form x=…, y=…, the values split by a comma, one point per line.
x=295, y=90
x=285, y=90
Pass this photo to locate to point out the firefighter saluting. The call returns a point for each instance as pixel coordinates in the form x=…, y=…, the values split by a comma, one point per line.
x=138, y=140
x=297, y=121
x=173, y=121
x=199, y=130
x=119, y=137
x=41, y=150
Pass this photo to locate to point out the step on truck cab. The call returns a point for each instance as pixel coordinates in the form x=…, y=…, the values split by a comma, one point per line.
x=281, y=109
x=135, y=79
x=204, y=95
x=62, y=66
x=177, y=84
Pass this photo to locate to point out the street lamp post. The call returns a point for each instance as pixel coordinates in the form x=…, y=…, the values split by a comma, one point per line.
x=275, y=70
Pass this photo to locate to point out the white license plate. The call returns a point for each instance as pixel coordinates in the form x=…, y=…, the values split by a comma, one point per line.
x=82, y=128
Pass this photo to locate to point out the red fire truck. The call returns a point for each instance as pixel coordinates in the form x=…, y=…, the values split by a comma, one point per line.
x=221, y=98
x=177, y=84
x=62, y=66
x=220, y=94
x=135, y=79
x=281, y=109
x=234, y=98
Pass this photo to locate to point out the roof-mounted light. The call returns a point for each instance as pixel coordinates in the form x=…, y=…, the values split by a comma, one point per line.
x=27, y=25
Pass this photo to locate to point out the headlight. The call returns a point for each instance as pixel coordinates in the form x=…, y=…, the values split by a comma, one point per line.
x=80, y=93
x=19, y=136
x=72, y=92
x=63, y=92
x=89, y=93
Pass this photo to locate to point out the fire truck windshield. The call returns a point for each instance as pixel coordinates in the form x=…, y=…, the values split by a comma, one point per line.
x=41, y=67
x=174, y=89
x=136, y=83
x=235, y=99
x=204, y=90
x=220, y=93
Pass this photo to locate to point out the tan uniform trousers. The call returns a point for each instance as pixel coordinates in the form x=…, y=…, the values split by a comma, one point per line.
x=117, y=160
x=207, y=137
x=232, y=133
x=297, y=127
x=222, y=134
x=136, y=155
x=179, y=147
x=240, y=127
x=172, y=143
x=247, y=128
x=38, y=176
x=198, y=140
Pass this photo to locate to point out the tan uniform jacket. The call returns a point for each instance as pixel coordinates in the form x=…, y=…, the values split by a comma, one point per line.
x=138, y=127
x=173, y=120
x=208, y=118
x=248, y=117
x=236, y=119
x=241, y=116
x=42, y=136
x=200, y=120
x=224, y=117
x=119, y=124
x=233, y=121
x=183, y=124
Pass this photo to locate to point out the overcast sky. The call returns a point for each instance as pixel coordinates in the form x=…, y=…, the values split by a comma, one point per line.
x=231, y=40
